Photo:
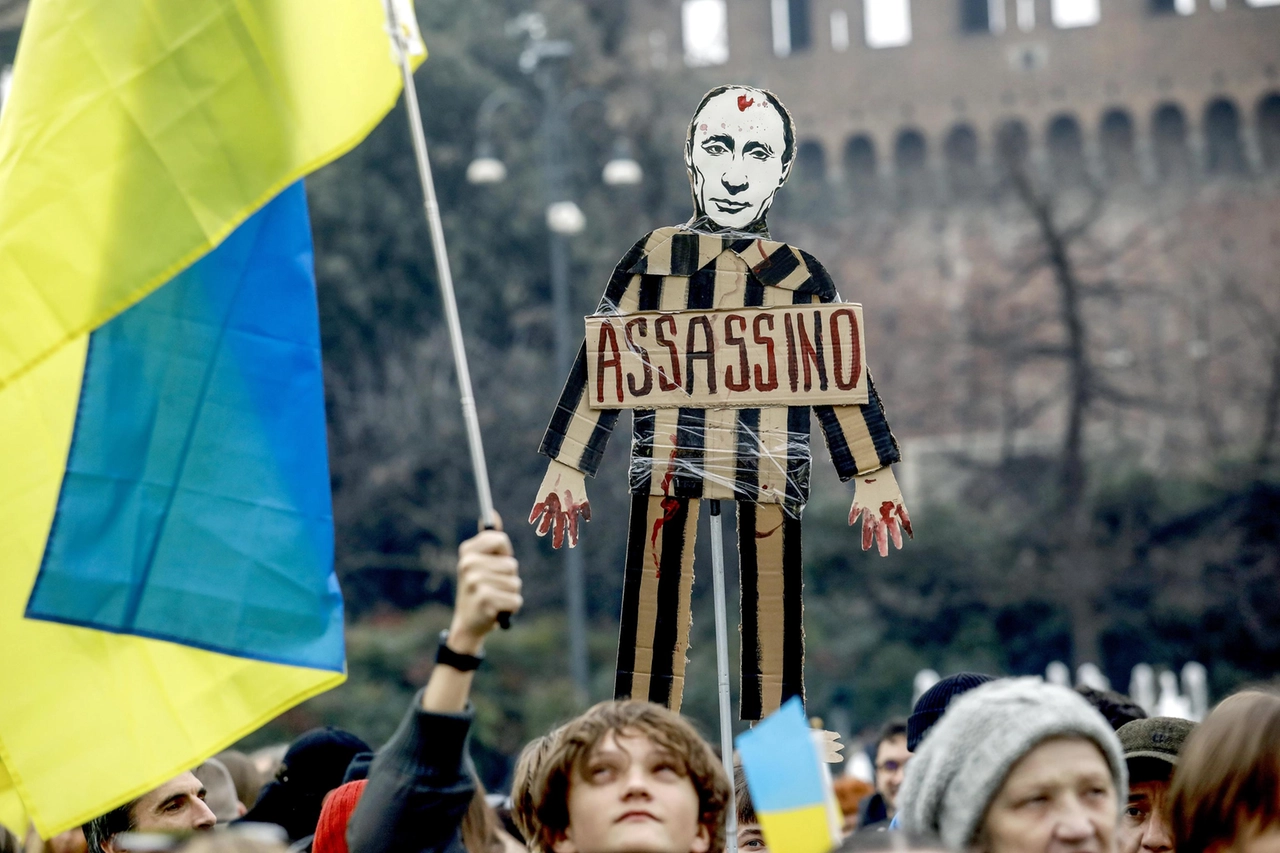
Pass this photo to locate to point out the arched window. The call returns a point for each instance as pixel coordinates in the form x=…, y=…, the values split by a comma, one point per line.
x=909, y=152
x=811, y=162
x=961, y=153
x=1269, y=130
x=1013, y=144
x=909, y=160
x=860, y=163
x=1065, y=145
x=1115, y=139
x=1169, y=141
x=1224, y=153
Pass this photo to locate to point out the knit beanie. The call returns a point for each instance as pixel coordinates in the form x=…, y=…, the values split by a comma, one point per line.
x=335, y=814
x=314, y=765
x=934, y=701
x=963, y=763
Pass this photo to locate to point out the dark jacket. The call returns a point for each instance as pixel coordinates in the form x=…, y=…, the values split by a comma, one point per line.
x=872, y=811
x=420, y=785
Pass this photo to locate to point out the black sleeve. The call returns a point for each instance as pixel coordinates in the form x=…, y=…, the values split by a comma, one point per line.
x=820, y=282
x=420, y=785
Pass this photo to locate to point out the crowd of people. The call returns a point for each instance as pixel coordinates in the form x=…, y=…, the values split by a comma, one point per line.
x=995, y=765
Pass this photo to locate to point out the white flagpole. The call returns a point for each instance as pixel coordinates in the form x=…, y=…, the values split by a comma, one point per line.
x=722, y=672
x=432, y=207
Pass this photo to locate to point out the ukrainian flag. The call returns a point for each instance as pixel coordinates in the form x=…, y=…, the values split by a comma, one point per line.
x=166, y=534
x=789, y=784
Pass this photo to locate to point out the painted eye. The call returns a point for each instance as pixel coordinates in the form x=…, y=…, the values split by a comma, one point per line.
x=759, y=154
x=715, y=149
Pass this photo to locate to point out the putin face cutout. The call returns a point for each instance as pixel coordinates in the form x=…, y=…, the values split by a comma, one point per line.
x=736, y=157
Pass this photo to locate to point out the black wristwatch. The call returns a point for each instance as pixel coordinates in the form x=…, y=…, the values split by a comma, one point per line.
x=457, y=660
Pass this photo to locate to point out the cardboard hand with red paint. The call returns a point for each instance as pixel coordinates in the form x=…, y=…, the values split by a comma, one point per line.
x=877, y=498
x=561, y=504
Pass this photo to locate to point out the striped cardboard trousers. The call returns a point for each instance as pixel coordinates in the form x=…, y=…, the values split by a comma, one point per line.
x=653, y=637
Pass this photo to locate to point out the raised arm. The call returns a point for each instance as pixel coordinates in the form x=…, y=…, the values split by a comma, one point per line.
x=422, y=781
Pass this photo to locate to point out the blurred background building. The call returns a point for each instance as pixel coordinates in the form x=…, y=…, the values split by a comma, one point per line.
x=1156, y=123
x=931, y=93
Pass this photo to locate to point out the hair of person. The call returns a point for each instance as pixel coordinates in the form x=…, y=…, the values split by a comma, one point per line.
x=891, y=730
x=9, y=843
x=99, y=831
x=743, y=807
x=1116, y=707
x=788, y=125
x=665, y=729
x=850, y=792
x=244, y=775
x=523, y=781
x=1228, y=773
x=479, y=829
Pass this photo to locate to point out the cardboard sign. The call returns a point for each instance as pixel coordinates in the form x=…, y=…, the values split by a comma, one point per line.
x=798, y=355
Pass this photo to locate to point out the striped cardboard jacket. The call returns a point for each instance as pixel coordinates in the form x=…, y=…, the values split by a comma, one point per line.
x=756, y=455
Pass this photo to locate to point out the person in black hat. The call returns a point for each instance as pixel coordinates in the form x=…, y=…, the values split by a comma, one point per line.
x=934, y=701
x=1151, y=748
x=314, y=765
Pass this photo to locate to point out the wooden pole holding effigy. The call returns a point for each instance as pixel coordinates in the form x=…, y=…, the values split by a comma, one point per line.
x=431, y=206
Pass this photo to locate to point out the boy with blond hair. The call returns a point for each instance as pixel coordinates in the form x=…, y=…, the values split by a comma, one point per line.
x=629, y=777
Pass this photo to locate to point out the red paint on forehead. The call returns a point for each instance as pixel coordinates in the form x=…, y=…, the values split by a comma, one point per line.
x=703, y=128
x=744, y=102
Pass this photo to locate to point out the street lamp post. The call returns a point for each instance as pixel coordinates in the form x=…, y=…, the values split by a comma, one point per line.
x=543, y=58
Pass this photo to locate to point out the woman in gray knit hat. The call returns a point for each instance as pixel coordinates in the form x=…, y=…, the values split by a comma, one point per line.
x=1018, y=766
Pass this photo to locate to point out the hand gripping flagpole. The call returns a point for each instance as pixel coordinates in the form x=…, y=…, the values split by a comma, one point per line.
x=399, y=39
x=722, y=672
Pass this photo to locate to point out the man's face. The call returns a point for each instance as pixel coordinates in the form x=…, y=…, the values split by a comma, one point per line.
x=738, y=142
x=891, y=766
x=176, y=806
x=751, y=838
x=1144, y=826
x=1059, y=798
x=632, y=796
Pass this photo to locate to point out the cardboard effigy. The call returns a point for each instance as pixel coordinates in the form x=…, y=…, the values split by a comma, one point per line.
x=724, y=344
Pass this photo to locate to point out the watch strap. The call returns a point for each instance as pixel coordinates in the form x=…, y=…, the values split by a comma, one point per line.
x=456, y=660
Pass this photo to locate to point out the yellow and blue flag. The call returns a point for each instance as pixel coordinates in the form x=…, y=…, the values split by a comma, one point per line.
x=789, y=784
x=166, y=549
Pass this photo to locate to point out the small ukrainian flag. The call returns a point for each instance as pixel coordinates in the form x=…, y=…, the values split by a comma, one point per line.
x=789, y=784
